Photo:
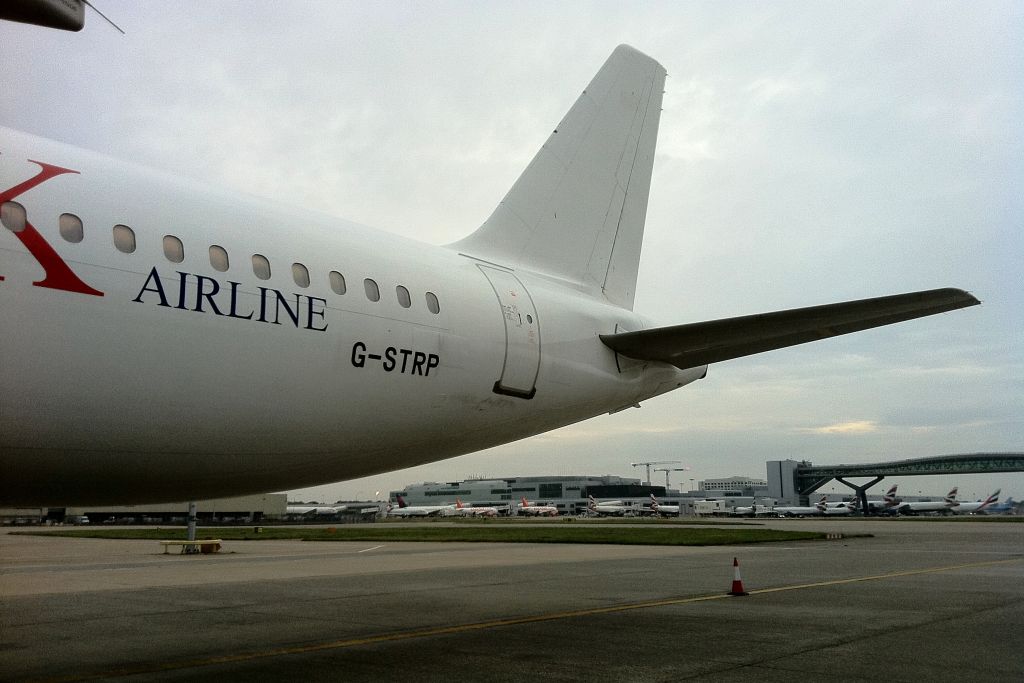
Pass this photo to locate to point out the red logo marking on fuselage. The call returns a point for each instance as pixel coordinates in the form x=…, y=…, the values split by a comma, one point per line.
x=58, y=274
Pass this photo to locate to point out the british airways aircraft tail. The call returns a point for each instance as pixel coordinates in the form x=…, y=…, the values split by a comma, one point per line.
x=577, y=212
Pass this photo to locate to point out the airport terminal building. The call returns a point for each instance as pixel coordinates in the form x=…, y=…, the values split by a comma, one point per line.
x=567, y=493
x=735, y=486
x=242, y=509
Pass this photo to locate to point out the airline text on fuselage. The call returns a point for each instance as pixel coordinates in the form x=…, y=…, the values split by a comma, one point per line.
x=209, y=296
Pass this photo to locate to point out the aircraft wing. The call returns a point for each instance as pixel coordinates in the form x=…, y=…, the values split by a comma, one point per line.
x=696, y=344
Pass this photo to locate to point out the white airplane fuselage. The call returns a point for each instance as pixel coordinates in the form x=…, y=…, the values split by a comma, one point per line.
x=476, y=512
x=608, y=508
x=414, y=512
x=798, y=511
x=534, y=510
x=977, y=506
x=611, y=510
x=163, y=341
x=180, y=377
x=313, y=510
x=926, y=506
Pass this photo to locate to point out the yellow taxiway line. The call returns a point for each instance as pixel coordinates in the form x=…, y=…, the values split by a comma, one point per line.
x=494, y=623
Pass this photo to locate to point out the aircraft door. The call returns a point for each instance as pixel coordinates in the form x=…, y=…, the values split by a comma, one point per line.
x=522, y=334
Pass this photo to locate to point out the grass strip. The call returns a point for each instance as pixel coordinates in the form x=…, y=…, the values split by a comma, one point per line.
x=633, y=521
x=654, y=535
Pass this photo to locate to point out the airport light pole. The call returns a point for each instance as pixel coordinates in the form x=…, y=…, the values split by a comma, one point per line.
x=191, y=527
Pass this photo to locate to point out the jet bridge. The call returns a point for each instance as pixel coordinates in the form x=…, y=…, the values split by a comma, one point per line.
x=808, y=478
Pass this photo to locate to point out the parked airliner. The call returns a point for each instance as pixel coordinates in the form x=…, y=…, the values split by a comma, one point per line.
x=535, y=510
x=842, y=508
x=750, y=511
x=314, y=510
x=406, y=510
x=979, y=506
x=888, y=503
x=461, y=509
x=945, y=505
x=607, y=508
x=1004, y=508
x=166, y=341
x=801, y=510
x=663, y=510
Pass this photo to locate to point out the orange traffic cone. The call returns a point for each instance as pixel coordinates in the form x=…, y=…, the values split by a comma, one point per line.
x=737, y=582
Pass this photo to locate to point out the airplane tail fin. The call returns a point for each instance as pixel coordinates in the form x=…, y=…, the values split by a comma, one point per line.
x=951, y=496
x=401, y=502
x=890, y=496
x=577, y=212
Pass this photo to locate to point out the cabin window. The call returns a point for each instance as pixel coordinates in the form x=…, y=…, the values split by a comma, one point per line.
x=12, y=215
x=124, y=239
x=173, y=249
x=261, y=266
x=300, y=274
x=432, y=303
x=337, y=282
x=218, y=258
x=372, y=290
x=404, y=300
x=71, y=227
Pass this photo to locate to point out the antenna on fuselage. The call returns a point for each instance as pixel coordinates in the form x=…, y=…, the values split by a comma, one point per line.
x=105, y=17
x=66, y=15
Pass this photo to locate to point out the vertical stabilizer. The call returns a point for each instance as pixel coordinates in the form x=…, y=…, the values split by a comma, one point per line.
x=578, y=211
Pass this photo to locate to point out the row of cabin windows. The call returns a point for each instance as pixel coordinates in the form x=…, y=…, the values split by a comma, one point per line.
x=13, y=216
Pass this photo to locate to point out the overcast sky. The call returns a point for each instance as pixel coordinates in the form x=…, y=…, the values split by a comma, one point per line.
x=808, y=153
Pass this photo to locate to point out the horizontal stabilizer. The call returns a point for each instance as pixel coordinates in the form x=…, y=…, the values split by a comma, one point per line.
x=696, y=344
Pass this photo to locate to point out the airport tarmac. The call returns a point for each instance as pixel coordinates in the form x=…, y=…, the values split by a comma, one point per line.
x=919, y=600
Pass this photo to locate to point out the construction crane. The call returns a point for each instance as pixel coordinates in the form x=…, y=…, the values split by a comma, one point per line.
x=666, y=470
x=658, y=462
